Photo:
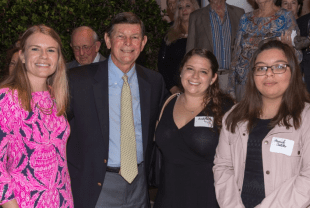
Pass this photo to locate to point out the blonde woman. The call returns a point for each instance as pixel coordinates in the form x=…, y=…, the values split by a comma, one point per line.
x=33, y=127
x=173, y=47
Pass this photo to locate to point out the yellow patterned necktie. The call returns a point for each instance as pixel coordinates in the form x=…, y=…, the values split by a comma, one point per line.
x=129, y=167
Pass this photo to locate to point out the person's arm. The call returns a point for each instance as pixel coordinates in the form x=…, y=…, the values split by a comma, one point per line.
x=227, y=192
x=295, y=191
x=7, y=187
x=10, y=204
x=292, y=25
x=231, y=86
x=190, y=43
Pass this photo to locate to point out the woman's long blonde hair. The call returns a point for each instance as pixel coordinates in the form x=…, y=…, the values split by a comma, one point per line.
x=57, y=83
x=177, y=31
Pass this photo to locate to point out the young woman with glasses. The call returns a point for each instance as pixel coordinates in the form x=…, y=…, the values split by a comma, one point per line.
x=263, y=156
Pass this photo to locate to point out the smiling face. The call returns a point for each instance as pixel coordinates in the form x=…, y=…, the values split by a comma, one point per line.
x=126, y=43
x=291, y=5
x=185, y=9
x=40, y=57
x=272, y=86
x=196, y=76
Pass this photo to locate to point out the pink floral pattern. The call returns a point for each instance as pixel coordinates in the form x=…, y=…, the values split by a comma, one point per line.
x=33, y=165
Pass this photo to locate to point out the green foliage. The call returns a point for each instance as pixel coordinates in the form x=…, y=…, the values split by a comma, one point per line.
x=65, y=15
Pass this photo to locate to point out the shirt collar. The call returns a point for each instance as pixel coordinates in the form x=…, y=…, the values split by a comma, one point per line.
x=116, y=74
x=97, y=58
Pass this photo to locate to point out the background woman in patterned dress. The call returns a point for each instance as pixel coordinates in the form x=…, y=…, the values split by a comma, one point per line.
x=33, y=129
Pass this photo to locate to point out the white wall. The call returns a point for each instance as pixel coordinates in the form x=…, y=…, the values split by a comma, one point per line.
x=245, y=4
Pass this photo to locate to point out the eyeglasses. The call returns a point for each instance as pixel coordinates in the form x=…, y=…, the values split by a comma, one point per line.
x=85, y=48
x=276, y=69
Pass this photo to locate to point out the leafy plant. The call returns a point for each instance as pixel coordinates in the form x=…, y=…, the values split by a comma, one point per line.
x=65, y=15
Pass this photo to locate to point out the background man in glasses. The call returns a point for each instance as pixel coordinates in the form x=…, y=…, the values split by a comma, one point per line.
x=85, y=45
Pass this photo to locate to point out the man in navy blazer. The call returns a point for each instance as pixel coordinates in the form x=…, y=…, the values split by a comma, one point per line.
x=93, y=149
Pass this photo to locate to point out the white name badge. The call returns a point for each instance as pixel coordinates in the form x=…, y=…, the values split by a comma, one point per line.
x=280, y=145
x=204, y=121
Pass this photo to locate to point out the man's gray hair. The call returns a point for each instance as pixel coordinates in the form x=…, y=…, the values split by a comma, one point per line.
x=95, y=36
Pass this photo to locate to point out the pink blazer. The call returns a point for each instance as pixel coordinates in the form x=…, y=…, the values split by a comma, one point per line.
x=287, y=178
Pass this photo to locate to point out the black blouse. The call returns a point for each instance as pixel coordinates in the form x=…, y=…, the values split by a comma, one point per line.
x=253, y=191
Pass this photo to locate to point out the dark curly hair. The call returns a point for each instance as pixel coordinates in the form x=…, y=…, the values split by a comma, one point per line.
x=213, y=95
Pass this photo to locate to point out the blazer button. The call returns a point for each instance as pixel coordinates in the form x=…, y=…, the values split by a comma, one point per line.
x=298, y=152
x=267, y=172
x=266, y=142
x=105, y=160
x=99, y=184
x=243, y=134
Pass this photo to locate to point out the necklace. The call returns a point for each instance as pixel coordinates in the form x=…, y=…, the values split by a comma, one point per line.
x=46, y=111
x=191, y=111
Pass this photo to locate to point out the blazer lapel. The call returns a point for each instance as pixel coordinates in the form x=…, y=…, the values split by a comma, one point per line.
x=145, y=104
x=234, y=22
x=101, y=94
x=206, y=22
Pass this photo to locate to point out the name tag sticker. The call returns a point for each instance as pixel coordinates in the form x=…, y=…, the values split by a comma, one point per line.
x=204, y=121
x=280, y=145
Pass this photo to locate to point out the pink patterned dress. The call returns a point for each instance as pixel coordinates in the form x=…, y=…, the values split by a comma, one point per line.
x=33, y=165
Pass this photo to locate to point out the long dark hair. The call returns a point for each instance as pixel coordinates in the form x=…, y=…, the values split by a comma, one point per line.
x=293, y=100
x=213, y=94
